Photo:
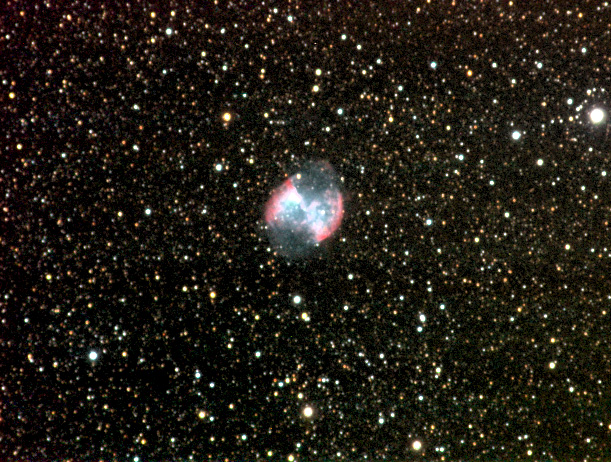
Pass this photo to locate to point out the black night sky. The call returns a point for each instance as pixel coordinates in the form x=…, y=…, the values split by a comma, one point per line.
x=460, y=312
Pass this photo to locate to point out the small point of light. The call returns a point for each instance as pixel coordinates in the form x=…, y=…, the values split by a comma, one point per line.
x=552, y=365
x=169, y=31
x=297, y=299
x=422, y=318
x=433, y=65
x=540, y=162
x=218, y=167
x=315, y=88
x=93, y=355
x=213, y=295
x=227, y=116
x=597, y=115
x=417, y=445
x=516, y=135
x=148, y=211
x=567, y=247
x=340, y=111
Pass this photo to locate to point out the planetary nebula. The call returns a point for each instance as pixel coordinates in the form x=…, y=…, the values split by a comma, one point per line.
x=305, y=210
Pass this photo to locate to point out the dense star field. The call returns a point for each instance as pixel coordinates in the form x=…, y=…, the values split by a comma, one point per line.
x=462, y=310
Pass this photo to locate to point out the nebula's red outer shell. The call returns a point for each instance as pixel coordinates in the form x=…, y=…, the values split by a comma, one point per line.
x=307, y=205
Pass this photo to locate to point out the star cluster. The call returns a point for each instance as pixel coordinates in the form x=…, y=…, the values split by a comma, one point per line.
x=462, y=310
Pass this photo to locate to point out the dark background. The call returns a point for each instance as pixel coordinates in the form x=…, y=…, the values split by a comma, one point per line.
x=464, y=304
